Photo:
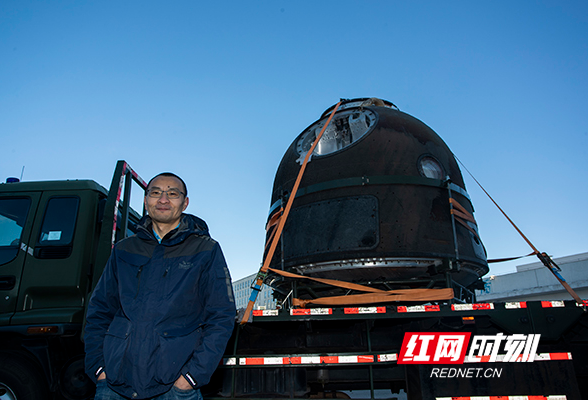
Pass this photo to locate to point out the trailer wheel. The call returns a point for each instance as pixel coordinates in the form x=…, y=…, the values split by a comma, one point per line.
x=20, y=380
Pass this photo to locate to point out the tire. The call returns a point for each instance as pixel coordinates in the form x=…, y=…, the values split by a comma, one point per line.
x=74, y=384
x=20, y=380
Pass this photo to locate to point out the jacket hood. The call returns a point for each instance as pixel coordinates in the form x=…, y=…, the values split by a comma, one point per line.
x=189, y=224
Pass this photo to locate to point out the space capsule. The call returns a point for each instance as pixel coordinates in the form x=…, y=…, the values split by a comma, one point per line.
x=382, y=202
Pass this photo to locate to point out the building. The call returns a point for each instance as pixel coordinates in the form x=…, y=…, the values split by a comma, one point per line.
x=535, y=282
x=242, y=290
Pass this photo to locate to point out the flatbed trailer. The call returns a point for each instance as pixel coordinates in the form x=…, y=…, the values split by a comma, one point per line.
x=369, y=208
x=353, y=352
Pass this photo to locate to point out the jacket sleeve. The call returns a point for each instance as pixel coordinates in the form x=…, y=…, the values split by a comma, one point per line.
x=219, y=321
x=102, y=307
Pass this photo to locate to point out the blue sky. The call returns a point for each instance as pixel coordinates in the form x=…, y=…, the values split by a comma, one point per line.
x=217, y=91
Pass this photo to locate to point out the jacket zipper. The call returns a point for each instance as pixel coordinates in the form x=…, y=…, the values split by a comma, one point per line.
x=138, y=280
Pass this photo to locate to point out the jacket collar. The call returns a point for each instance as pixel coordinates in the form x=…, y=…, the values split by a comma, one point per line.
x=189, y=224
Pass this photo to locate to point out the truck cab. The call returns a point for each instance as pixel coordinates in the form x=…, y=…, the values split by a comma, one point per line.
x=55, y=237
x=48, y=242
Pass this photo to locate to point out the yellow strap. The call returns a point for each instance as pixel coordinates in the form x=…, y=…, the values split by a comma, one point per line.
x=386, y=297
x=375, y=295
x=331, y=282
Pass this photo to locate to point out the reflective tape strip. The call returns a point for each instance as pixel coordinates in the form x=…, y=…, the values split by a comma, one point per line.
x=538, y=357
x=553, y=356
x=518, y=397
x=298, y=360
x=250, y=361
x=364, y=310
x=403, y=309
x=314, y=359
x=387, y=357
x=480, y=359
x=483, y=359
x=117, y=203
x=311, y=311
x=517, y=304
x=276, y=360
x=400, y=309
x=361, y=359
x=470, y=307
x=549, y=304
x=353, y=359
x=141, y=181
x=264, y=360
x=305, y=360
x=265, y=313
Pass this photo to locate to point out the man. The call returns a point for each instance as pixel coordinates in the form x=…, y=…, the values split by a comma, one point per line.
x=161, y=315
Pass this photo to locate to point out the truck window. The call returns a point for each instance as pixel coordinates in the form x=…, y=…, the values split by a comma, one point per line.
x=13, y=214
x=57, y=231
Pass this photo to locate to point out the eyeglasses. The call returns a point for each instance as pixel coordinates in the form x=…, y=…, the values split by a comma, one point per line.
x=172, y=194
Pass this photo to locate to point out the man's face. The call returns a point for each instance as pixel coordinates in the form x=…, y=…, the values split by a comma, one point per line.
x=165, y=210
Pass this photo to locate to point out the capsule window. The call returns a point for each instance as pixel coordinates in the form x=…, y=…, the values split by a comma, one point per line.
x=430, y=167
x=346, y=128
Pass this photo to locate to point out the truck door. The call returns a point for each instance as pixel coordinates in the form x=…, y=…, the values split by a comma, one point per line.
x=52, y=275
x=17, y=213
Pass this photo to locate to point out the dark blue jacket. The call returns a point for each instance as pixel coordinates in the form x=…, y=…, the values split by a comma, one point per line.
x=160, y=310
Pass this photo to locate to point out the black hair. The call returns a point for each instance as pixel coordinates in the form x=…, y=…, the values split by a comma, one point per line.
x=169, y=174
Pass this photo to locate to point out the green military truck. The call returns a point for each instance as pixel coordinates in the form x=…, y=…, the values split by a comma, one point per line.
x=55, y=238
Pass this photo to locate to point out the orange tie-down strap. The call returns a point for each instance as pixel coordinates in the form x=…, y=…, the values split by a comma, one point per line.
x=274, y=220
x=280, y=220
x=462, y=215
x=461, y=211
x=375, y=295
x=499, y=260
